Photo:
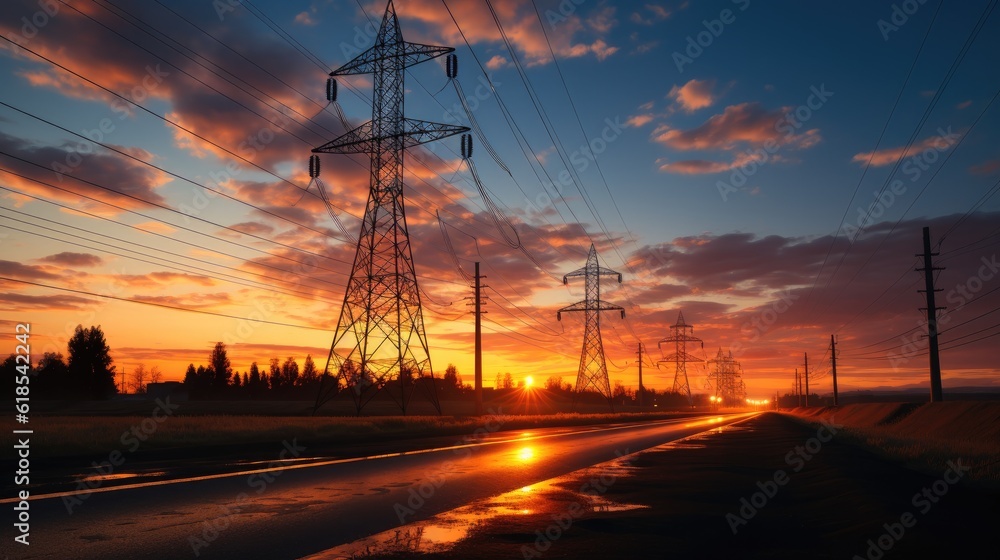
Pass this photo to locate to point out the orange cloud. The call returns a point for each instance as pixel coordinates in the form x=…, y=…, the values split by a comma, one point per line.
x=694, y=95
x=888, y=156
x=747, y=124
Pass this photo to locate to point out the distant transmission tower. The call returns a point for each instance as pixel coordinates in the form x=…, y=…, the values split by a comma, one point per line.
x=680, y=336
x=727, y=378
x=593, y=370
x=380, y=335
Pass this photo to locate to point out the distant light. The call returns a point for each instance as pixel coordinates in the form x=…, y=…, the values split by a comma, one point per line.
x=529, y=381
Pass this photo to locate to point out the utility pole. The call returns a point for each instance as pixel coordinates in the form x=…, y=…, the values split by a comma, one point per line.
x=806, y=376
x=798, y=387
x=932, y=309
x=833, y=356
x=640, y=375
x=479, y=345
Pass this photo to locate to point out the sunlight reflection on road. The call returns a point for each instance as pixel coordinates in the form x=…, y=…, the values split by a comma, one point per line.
x=440, y=532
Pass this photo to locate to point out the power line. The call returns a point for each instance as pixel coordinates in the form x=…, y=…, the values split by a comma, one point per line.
x=160, y=305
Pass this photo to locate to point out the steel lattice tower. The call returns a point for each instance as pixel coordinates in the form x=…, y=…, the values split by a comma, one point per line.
x=380, y=333
x=727, y=378
x=680, y=336
x=593, y=370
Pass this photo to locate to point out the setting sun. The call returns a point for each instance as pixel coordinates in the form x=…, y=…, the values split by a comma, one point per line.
x=529, y=382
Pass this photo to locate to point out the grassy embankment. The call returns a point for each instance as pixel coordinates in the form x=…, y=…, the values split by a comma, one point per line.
x=923, y=436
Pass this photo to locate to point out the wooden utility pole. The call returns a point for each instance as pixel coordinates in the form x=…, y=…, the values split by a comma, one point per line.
x=641, y=390
x=798, y=387
x=932, y=309
x=833, y=357
x=806, y=376
x=479, y=344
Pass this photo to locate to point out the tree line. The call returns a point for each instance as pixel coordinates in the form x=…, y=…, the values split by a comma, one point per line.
x=88, y=372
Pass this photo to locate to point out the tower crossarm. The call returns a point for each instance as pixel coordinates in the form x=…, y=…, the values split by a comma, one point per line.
x=594, y=271
x=677, y=357
x=599, y=305
x=362, y=140
x=410, y=54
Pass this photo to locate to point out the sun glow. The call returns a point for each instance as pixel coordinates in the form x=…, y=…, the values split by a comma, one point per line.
x=529, y=382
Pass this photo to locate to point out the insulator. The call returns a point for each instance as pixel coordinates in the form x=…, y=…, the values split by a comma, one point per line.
x=451, y=65
x=466, y=146
x=314, y=166
x=331, y=89
x=558, y=315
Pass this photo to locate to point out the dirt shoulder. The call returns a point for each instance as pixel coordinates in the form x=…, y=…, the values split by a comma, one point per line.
x=772, y=487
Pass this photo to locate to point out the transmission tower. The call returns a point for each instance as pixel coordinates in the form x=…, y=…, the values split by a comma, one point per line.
x=380, y=333
x=680, y=336
x=593, y=370
x=727, y=379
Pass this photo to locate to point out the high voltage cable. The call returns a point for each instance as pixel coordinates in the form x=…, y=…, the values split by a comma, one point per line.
x=217, y=192
x=909, y=143
x=160, y=305
x=164, y=207
x=174, y=239
x=208, y=273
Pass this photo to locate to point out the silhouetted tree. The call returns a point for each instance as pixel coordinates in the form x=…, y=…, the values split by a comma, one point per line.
x=190, y=377
x=505, y=381
x=452, y=379
x=139, y=378
x=289, y=372
x=309, y=378
x=90, y=365
x=51, y=378
x=222, y=369
x=554, y=383
x=256, y=385
x=621, y=393
x=275, y=375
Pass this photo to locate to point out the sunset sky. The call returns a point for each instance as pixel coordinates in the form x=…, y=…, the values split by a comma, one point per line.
x=737, y=152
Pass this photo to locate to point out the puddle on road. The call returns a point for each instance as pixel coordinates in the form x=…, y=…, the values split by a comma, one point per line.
x=440, y=532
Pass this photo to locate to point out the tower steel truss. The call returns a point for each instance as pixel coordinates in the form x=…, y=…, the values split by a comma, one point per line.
x=727, y=379
x=680, y=336
x=380, y=339
x=593, y=372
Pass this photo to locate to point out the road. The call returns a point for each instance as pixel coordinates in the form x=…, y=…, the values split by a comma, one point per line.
x=312, y=504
